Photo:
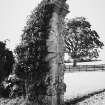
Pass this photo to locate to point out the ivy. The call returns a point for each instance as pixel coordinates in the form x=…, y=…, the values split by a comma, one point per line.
x=32, y=51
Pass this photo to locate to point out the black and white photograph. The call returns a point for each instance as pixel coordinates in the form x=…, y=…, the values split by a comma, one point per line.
x=52, y=52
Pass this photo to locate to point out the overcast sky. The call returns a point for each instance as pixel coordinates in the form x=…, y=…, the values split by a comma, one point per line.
x=13, y=15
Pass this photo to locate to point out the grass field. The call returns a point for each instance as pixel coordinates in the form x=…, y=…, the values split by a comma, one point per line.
x=82, y=83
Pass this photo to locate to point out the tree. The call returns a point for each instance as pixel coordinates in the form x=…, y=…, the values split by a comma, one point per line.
x=81, y=41
x=6, y=61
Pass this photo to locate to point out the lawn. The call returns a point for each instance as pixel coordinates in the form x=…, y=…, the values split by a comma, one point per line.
x=82, y=83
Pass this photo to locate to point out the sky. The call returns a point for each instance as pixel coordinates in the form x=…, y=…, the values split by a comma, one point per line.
x=13, y=17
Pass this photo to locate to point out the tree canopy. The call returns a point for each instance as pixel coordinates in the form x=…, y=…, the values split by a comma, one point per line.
x=81, y=41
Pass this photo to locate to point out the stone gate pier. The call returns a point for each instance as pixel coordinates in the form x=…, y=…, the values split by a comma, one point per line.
x=55, y=57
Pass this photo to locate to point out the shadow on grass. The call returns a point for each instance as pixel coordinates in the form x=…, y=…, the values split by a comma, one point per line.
x=82, y=98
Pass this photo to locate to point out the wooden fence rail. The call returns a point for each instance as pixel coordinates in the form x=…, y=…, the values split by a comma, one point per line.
x=70, y=68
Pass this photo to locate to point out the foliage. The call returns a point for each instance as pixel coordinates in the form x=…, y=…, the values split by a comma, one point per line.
x=14, y=101
x=81, y=41
x=31, y=53
x=16, y=86
x=6, y=61
x=4, y=90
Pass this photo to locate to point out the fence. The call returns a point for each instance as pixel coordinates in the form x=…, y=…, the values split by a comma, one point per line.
x=70, y=68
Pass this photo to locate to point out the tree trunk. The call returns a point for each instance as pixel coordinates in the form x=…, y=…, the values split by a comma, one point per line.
x=74, y=63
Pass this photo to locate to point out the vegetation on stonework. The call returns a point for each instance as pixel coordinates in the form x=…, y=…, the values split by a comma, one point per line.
x=31, y=65
x=81, y=41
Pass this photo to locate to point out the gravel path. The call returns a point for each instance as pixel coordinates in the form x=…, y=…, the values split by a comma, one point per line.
x=98, y=99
